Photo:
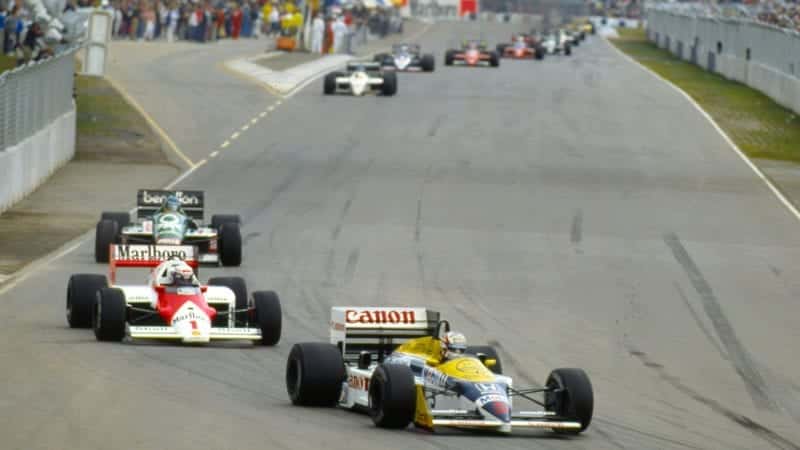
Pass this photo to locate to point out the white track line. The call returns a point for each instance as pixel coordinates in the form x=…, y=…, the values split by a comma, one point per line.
x=782, y=198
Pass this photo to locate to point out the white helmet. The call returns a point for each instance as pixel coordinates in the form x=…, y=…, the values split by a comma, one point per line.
x=175, y=273
x=454, y=344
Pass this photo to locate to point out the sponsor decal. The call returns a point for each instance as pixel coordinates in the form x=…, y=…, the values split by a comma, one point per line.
x=483, y=400
x=434, y=377
x=187, y=290
x=489, y=388
x=358, y=382
x=469, y=366
x=189, y=315
x=156, y=198
x=380, y=316
x=152, y=252
x=147, y=226
x=337, y=326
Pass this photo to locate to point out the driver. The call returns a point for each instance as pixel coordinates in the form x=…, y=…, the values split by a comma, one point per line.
x=454, y=344
x=176, y=273
x=171, y=204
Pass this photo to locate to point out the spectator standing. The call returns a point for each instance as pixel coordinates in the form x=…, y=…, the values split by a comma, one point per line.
x=193, y=23
x=317, y=33
x=2, y=27
x=339, y=33
x=172, y=22
x=274, y=20
x=236, y=22
x=148, y=16
x=247, y=21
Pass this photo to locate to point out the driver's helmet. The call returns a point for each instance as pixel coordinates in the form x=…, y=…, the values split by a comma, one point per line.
x=454, y=344
x=171, y=204
x=176, y=273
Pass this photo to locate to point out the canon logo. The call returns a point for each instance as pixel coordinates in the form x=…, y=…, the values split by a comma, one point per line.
x=379, y=316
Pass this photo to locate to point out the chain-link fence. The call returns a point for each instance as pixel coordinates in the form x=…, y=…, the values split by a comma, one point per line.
x=34, y=95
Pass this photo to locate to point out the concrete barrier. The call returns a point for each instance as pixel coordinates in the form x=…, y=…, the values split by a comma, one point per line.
x=26, y=165
x=761, y=56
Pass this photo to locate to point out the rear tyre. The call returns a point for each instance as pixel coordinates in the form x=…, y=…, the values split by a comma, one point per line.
x=567, y=50
x=490, y=353
x=392, y=396
x=501, y=48
x=218, y=220
x=539, y=53
x=427, y=63
x=110, y=313
x=81, y=293
x=122, y=218
x=268, y=316
x=448, y=58
x=230, y=244
x=329, y=87
x=105, y=234
x=380, y=58
x=314, y=374
x=494, y=60
x=239, y=288
x=573, y=399
x=389, y=86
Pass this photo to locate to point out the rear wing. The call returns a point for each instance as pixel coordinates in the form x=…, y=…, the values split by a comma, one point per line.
x=148, y=202
x=127, y=255
x=378, y=330
x=370, y=66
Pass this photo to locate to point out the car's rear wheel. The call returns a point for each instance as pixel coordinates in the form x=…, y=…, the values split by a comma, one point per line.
x=106, y=233
x=501, y=48
x=329, y=85
x=490, y=353
x=427, y=63
x=389, y=86
x=570, y=397
x=567, y=49
x=268, y=316
x=122, y=218
x=539, y=53
x=314, y=374
x=392, y=396
x=448, y=58
x=110, y=314
x=380, y=57
x=230, y=244
x=81, y=293
x=494, y=60
x=239, y=288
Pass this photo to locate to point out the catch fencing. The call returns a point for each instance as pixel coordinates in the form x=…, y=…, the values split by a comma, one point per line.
x=37, y=124
x=764, y=57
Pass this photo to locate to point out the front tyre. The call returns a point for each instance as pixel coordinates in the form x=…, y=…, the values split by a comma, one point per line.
x=392, y=396
x=389, y=86
x=230, y=244
x=268, y=316
x=314, y=374
x=571, y=397
x=427, y=63
x=110, y=314
x=81, y=294
x=494, y=60
x=329, y=86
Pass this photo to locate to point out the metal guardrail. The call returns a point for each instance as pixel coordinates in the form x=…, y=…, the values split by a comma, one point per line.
x=34, y=95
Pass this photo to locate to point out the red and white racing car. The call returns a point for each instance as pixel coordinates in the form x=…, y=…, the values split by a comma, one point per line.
x=172, y=305
x=472, y=53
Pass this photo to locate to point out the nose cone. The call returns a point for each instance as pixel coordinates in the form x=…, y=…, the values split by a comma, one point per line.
x=499, y=409
x=192, y=324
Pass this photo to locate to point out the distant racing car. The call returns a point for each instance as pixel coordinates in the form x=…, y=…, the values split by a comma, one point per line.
x=404, y=365
x=406, y=57
x=556, y=43
x=472, y=53
x=521, y=47
x=172, y=218
x=360, y=78
x=172, y=304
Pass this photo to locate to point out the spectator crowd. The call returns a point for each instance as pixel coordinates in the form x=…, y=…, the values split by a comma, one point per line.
x=779, y=13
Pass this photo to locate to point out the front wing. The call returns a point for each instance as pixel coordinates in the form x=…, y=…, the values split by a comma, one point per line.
x=217, y=334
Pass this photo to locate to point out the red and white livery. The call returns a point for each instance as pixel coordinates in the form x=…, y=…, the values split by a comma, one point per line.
x=173, y=304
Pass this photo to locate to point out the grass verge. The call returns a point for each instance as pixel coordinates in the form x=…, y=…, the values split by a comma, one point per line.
x=759, y=126
x=7, y=62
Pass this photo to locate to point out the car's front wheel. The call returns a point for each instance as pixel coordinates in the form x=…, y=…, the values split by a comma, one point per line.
x=268, y=316
x=110, y=315
x=571, y=397
x=392, y=396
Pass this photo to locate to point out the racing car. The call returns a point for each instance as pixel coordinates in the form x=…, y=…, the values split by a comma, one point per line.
x=172, y=305
x=406, y=57
x=521, y=47
x=472, y=53
x=361, y=78
x=555, y=43
x=390, y=363
x=171, y=218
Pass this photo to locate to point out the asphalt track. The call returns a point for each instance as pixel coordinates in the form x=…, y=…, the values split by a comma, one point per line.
x=574, y=212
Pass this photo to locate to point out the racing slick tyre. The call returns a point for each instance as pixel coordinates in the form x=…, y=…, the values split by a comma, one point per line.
x=218, y=220
x=81, y=293
x=239, y=288
x=389, y=86
x=490, y=353
x=448, y=58
x=109, y=315
x=567, y=50
x=501, y=48
x=329, y=86
x=392, y=396
x=427, y=63
x=268, y=315
x=379, y=58
x=571, y=397
x=230, y=245
x=122, y=218
x=105, y=234
x=314, y=374
x=494, y=60
x=539, y=53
